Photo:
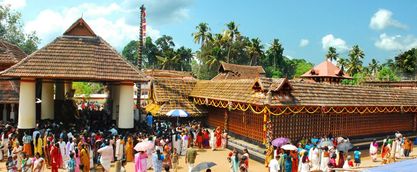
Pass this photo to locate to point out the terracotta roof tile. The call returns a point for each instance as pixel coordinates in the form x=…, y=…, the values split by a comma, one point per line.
x=325, y=69
x=9, y=91
x=301, y=93
x=156, y=73
x=235, y=71
x=10, y=54
x=76, y=57
x=170, y=94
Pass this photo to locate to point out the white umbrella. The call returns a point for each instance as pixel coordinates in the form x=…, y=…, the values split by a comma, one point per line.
x=143, y=146
x=177, y=113
x=288, y=147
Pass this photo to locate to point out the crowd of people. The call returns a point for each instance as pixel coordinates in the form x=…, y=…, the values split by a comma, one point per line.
x=315, y=154
x=81, y=148
x=324, y=154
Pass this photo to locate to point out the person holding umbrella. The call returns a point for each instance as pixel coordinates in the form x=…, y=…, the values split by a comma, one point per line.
x=274, y=165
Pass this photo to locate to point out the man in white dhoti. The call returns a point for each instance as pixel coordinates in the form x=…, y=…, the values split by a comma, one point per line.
x=313, y=156
x=106, y=157
x=63, y=149
x=119, y=149
x=373, y=150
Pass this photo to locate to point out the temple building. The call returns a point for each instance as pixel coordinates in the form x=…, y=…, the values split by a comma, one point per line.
x=235, y=71
x=78, y=55
x=260, y=109
x=170, y=90
x=9, y=89
x=326, y=72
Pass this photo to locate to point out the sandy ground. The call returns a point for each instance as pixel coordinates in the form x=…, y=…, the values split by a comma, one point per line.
x=219, y=157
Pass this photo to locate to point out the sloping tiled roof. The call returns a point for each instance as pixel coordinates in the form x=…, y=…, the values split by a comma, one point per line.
x=75, y=57
x=156, y=73
x=325, y=69
x=169, y=94
x=235, y=71
x=301, y=93
x=10, y=54
x=9, y=91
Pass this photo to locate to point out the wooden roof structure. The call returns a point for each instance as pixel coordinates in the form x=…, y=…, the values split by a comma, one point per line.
x=9, y=91
x=9, y=54
x=172, y=93
x=79, y=54
x=326, y=70
x=235, y=71
x=404, y=84
x=301, y=93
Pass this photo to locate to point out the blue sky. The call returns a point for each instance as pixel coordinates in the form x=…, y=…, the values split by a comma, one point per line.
x=306, y=28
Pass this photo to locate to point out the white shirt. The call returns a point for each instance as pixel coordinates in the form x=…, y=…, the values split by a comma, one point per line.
x=274, y=165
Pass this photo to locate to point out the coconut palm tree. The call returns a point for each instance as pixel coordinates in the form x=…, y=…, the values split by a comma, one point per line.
x=373, y=67
x=255, y=50
x=276, y=50
x=233, y=30
x=202, y=35
x=341, y=62
x=332, y=54
x=168, y=62
x=354, y=64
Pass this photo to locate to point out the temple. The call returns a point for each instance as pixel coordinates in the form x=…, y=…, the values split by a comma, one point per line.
x=78, y=55
x=326, y=72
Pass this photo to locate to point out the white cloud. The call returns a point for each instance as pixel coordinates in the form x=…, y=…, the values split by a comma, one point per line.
x=304, y=42
x=14, y=4
x=397, y=42
x=331, y=41
x=50, y=23
x=382, y=19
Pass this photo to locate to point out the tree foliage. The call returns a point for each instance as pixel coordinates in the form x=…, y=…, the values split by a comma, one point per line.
x=407, y=63
x=11, y=30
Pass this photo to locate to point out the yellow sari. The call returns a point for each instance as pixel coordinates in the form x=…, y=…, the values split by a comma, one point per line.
x=38, y=148
x=129, y=150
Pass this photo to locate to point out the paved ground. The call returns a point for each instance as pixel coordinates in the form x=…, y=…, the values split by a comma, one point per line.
x=219, y=157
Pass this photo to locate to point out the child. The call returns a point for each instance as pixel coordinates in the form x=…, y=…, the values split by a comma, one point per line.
x=71, y=164
x=357, y=157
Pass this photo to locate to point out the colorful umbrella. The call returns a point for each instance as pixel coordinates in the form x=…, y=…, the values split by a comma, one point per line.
x=345, y=146
x=278, y=142
x=203, y=166
x=143, y=146
x=288, y=147
x=326, y=143
x=177, y=113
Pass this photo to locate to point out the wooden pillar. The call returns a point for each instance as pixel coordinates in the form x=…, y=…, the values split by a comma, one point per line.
x=47, y=97
x=115, y=91
x=226, y=119
x=27, y=107
x=4, y=113
x=59, y=90
x=68, y=87
x=126, y=117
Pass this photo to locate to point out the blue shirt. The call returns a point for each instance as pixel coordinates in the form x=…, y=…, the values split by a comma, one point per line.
x=149, y=120
x=357, y=154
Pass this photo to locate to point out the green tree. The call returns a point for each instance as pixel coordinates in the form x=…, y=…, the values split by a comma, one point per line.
x=130, y=52
x=373, y=67
x=255, y=51
x=354, y=64
x=185, y=56
x=149, y=53
x=406, y=63
x=387, y=74
x=275, y=54
x=332, y=54
x=11, y=30
x=165, y=43
x=341, y=62
x=202, y=35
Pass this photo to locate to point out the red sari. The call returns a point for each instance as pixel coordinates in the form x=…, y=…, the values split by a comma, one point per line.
x=54, y=158
x=294, y=156
x=218, y=135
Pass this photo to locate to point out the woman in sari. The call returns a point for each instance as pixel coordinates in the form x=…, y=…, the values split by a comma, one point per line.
x=294, y=156
x=85, y=158
x=129, y=149
x=38, y=163
x=140, y=161
x=54, y=154
x=157, y=161
x=373, y=150
x=218, y=135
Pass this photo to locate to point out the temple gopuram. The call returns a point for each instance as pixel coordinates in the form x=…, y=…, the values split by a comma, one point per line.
x=326, y=72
